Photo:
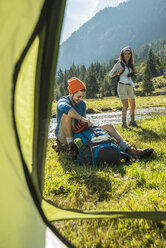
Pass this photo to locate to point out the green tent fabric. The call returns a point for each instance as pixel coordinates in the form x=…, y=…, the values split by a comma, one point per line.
x=29, y=44
x=26, y=26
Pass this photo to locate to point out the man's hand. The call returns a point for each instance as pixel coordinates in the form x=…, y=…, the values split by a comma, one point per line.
x=86, y=120
x=90, y=124
x=73, y=114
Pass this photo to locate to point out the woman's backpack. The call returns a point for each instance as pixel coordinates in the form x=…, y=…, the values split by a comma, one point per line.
x=117, y=77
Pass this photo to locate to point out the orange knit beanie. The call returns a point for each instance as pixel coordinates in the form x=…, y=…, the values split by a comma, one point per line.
x=75, y=85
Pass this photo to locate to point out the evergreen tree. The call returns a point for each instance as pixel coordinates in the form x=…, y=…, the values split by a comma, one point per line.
x=105, y=89
x=164, y=57
x=58, y=82
x=152, y=63
x=148, y=87
x=141, y=53
x=64, y=83
x=113, y=86
x=102, y=82
x=101, y=72
x=60, y=76
x=82, y=72
x=109, y=65
x=58, y=92
x=92, y=87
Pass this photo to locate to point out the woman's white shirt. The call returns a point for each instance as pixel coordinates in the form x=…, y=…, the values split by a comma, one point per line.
x=123, y=77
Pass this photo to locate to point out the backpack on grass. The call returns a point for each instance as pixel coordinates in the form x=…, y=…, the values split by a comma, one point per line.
x=96, y=147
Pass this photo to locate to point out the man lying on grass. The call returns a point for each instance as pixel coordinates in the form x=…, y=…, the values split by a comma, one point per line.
x=71, y=109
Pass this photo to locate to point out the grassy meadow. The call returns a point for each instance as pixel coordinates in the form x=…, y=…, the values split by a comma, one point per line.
x=137, y=186
x=113, y=103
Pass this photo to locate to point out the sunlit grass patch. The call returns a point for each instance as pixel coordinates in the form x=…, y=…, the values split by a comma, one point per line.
x=138, y=186
x=114, y=233
x=108, y=104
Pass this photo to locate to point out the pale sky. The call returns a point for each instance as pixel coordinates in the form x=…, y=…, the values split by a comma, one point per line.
x=80, y=11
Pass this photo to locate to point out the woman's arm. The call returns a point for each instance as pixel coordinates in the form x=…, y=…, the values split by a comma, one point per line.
x=116, y=70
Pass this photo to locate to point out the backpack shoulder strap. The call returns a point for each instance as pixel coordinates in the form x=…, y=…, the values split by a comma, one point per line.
x=85, y=136
x=122, y=64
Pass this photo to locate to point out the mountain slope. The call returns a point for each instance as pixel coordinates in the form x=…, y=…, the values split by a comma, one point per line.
x=132, y=23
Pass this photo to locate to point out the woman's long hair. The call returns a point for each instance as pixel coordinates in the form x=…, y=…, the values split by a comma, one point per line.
x=131, y=60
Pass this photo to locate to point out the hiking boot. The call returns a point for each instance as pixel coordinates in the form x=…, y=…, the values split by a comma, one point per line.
x=72, y=151
x=124, y=125
x=139, y=153
x=133, y=124
x=146, y=152
x=59, y=147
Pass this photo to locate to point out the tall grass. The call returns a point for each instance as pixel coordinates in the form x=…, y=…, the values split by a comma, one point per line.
x=135, y=186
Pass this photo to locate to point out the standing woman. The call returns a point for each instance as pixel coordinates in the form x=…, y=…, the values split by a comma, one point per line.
x=125, y=69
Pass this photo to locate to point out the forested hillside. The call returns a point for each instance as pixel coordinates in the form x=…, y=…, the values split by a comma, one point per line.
x=150, y=61
x=134, y=23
